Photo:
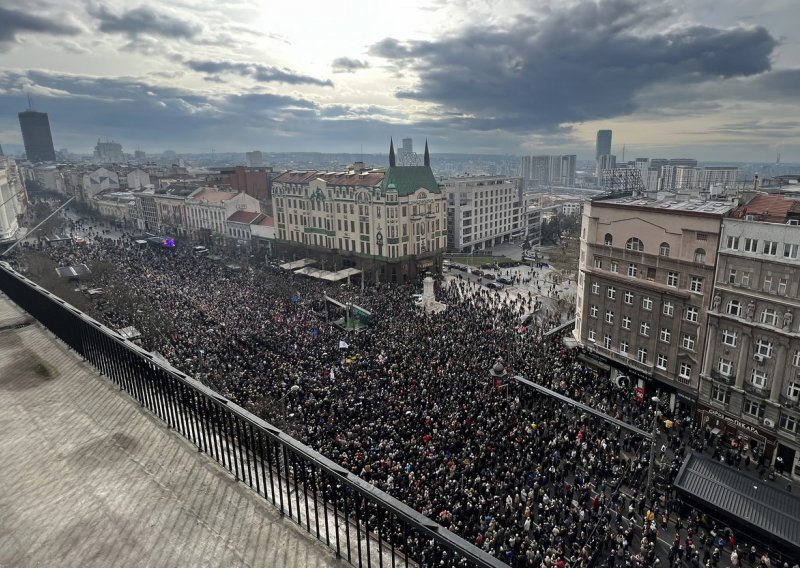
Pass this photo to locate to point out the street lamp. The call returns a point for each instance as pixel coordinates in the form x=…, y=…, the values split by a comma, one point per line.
x=295, y=388
x=498, y=374
x=654, y=430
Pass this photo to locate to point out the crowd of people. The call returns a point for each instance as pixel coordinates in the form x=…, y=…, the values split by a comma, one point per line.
x=409, y=406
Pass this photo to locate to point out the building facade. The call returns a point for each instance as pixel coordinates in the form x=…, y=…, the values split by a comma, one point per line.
x=207, y=212
x=36, y=136
x=750, y=383
x=646, y=270
x=13, y=199
x=390, y=224
x=483, y=211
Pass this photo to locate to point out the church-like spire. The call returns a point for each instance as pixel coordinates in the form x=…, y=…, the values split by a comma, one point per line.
x=391, y=154
x=427, y=158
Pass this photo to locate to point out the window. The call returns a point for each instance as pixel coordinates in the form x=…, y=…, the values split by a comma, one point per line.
x=745, y=279
x=702, y=237
x=696, y=284
x=720, y=394
x=754, y=408
x=767, y=287
x=758, y=379
x=626, y=322
x=623, y=347
x=672, y=279
x=661, y=361
x=692, y=314
x=788, y=423
x=751, y=245
x=685, y=371
x=593, y=311
x=782, y=286
x=687, y=341
x=644, y=328
x=790, y=251
x=607, y=341
x=634, y=244
x=598, y=262
x=632, y=270
x=608, y=240
x=647, y=303
x=764, y=348
x=651, y=274
x=595, y=287
x=592, y=335
x=796, y=358
x=769, y=316
x=628, y=297
x=669, y=309
x=770, y=248
x=734, y=308
x=699, y=255
x=725, y=366
x=663, y=249
x=641, y=355
x=733, y=243
x=664, y=335
x=614, y=266
x=729, y=337
x=609, y=317
x=793, y=391
x=612, y=293
x=732, y=276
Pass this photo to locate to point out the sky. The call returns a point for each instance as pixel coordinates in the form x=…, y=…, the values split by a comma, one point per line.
x=718, y=80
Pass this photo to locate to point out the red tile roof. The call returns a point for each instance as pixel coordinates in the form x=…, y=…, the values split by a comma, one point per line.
x=296, y=176
x=267, y=222
x=368, y=179
x=244, y=217
x=213, y=195
x=769, y=208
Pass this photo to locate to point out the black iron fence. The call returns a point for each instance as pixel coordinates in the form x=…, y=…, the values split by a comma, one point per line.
x=362, y=524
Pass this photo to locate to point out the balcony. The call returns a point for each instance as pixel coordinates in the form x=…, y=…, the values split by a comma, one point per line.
x=788, y=402
x=761, y=392
x=721, y=378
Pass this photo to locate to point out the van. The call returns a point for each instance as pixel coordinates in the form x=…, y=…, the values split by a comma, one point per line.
x=199, y=251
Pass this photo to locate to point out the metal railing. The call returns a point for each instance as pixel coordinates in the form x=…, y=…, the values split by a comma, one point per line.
x=362, y=524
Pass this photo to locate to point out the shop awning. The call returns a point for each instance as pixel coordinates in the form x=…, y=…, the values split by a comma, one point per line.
x=594, y=362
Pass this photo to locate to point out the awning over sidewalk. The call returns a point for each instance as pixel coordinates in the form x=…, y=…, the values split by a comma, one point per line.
x=327, y=275
x=294, y=265
x=742, y=501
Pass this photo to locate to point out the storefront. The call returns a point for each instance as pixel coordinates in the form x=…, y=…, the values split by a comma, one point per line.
x=734, y=432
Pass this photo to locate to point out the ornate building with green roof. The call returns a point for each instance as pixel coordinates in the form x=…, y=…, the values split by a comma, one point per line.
x=389, y=223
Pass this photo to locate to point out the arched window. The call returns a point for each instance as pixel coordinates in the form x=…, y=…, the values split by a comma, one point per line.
x=663, y=249
x=608, y=240
x=634, y=244
x=699, y=255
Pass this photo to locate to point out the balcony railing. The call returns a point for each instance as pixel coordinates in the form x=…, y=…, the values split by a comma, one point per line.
x=362, y=524
x=789, y=402
x=722, y=378
x=761, y=392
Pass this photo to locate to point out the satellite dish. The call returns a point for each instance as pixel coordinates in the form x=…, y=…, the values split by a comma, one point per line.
x=623, y=381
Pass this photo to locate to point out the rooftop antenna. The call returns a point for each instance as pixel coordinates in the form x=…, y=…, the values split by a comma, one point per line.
x=623, y=153
x=30, y=102
x=778, y=159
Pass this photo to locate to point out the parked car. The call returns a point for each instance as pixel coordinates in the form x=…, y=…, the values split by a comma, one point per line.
x=478, y=273
x=505, y=280
x=488, y=275
x=494, y=286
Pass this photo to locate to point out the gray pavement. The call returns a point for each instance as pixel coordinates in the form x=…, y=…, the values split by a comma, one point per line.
x=90, y=479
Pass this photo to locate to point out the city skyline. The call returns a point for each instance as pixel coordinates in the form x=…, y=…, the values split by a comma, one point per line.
x=512, y=78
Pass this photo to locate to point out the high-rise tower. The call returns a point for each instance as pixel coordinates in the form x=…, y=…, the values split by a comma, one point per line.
x=36, y=136
x=603, y=146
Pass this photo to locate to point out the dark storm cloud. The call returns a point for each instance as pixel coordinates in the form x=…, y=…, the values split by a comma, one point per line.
x=256, y=71
x=583, y=63
x=348, y=65
x=143, y=21
x=14, y=22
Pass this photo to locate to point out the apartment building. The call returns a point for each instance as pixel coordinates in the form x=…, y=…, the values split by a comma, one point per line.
x=390, y=224
x=750, y=385
x=646, y=269
x=483, y=211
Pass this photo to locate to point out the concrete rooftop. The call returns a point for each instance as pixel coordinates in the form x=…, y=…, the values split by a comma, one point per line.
x=88, y=478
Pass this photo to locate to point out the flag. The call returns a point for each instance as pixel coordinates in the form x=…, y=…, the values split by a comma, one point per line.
x=343, y=344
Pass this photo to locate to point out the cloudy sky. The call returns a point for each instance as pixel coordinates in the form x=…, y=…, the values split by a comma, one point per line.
x=713, y=79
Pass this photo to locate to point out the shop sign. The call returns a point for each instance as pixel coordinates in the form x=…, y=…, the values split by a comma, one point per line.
x=733, y=421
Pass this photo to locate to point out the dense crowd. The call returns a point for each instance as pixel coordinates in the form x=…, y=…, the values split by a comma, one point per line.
x=408, y=404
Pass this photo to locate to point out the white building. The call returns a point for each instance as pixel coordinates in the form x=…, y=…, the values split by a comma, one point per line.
x=116, y=205
x=99, y=180
x=483, y=211
x=12, y=199
x=238, y=227
x=208, y=210
x=50, y=178
x=138, y=179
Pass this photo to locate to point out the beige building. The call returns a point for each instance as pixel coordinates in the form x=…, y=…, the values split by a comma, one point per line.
x=646, y=272
x=208, y=210
x=751, y=374
x=483, y=211
x=391, y=224
x=13, y=199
